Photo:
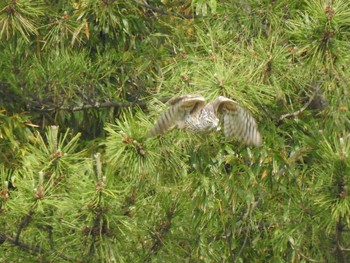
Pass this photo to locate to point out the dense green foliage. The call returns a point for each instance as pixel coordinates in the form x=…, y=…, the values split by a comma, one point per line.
x=82, y=81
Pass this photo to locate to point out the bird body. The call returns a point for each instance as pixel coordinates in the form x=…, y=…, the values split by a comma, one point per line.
x=190, y=112
x=205, y=121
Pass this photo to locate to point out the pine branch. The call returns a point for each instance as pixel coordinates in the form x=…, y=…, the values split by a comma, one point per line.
x=95, y=105
x=25, y=222
x=243, y=218
x=2, y=238
x=339, y=240
x=34, y=250
x=128, y=202
x=164, y=227
x=163, y=12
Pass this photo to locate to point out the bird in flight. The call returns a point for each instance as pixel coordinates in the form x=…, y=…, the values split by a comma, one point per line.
x=190, y=112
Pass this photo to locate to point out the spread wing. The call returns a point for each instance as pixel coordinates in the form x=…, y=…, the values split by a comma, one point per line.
x=179, y=107
x=237, y=122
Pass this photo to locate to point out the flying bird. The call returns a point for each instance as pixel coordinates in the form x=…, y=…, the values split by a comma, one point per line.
x=190, y=112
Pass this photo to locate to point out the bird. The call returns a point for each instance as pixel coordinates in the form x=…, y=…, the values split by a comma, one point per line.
x=191, y=112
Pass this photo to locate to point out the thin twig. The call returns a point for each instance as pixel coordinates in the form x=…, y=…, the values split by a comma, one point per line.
x=307, y=258
x=243, y=245
x=343, y=248
x=296, y=113
x=245, y=216
x=165, y=226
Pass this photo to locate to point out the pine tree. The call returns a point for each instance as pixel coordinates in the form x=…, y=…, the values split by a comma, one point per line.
x=82, y=82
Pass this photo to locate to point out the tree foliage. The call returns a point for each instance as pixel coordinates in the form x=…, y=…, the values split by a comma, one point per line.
x=81, y=83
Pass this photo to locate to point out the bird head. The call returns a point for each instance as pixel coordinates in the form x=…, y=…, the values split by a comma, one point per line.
x=215, y=125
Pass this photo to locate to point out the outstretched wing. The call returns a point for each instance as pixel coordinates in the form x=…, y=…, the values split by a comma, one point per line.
x=237, y=122
x=179, y=106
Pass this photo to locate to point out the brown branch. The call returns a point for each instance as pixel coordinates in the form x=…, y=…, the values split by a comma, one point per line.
x=163, y=12
x=95, y=105
x=2, y=238
x=23, y=245
x=339, y=240
x=34, y=250
x=24, y=223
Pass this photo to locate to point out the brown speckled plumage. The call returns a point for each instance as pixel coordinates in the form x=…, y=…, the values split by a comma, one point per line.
x=190, y=112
